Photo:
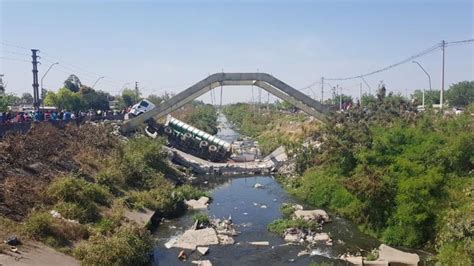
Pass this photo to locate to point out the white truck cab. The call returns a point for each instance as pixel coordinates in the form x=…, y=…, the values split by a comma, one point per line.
x=140, y=108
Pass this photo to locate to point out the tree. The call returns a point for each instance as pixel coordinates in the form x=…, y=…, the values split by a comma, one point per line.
x=129, y=98
x=27, y=98
x=155, y=99
x=64, y=99
x=7, y=100
x=73, y=83
x=431, y=97
x=461, y=94
x=97, y=100
x=368, y=100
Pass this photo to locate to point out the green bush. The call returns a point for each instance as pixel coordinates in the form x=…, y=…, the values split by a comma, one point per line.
x=278, y=226
x=39, y=225
x=76, y=190
x=287, y=210
x=202, y=219
x=130, y=245
x=53, y=232
x=86, y=212
x=188, y=192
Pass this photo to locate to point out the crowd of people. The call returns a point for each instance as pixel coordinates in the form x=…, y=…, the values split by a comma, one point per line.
x=38, y=116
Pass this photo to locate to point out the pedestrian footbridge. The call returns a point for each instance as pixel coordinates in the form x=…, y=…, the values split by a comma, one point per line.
x=265, y=81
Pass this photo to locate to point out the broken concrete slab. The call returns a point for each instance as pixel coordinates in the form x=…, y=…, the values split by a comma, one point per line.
x=321, y=237
x=259, y=243
x=199, y=204
x=354, y=260
x=202, y=262
x=193, y=238
x=312, y=215
x=140, y=217
x=378, y=262
x=393, y=255
x=203, y=250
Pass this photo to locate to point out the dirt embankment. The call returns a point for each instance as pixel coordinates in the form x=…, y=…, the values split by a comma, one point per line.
x=29, y=162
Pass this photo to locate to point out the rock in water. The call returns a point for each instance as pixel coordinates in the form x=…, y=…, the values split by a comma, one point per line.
x=199, y=204
x=193, y=238
x=258, y=185
x=312, y=215
x=203, y=250
x=202, y=262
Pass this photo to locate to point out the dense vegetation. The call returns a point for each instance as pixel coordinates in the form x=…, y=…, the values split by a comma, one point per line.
x=99, y=179
x=403, y=176
x=200, y=115
x=271, y=128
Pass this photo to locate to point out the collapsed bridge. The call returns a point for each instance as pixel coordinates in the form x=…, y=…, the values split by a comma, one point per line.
x=262, y=80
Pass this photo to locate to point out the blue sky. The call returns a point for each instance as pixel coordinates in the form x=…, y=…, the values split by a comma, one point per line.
x=170, y=45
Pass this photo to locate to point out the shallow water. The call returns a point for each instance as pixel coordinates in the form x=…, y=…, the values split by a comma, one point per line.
x=237, y=198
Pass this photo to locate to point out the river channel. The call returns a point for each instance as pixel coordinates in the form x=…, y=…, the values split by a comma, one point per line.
x=252, y=210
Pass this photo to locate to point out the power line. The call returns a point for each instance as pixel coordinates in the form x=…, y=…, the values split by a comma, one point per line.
x=14, y=59
x=462, y=42
x=15, y=46
x=409, y=59
x=11, y=52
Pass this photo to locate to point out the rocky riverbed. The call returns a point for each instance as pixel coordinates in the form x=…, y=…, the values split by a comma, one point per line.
x=239, y=215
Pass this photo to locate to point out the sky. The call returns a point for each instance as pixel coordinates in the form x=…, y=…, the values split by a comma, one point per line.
x=168, y=46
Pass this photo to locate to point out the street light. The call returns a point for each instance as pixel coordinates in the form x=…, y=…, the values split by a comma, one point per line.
x=97, y=81
x=42, y=78
x=429, y=80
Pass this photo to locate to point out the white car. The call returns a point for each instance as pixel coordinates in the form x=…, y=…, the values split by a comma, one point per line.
x=140, y=108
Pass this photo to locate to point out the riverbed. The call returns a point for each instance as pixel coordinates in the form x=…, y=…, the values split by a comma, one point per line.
x=251, y=210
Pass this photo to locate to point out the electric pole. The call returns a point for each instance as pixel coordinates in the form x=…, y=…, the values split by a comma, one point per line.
x=360, y=93
x=340, y=99
x=441, y=94
x=35, y=79
x=137, y=93
x=322, y=90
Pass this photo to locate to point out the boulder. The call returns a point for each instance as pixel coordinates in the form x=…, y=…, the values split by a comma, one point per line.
x=312, y=215
x=321, y=237
x=193, y=238
x=225, y=240
x=293, y=235
x=258, y=185
x=396, y=256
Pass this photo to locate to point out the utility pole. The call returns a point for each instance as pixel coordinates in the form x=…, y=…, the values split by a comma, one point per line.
x=322, y=89
x=360, y=93
x=137, y=93
x=268, y=101
x=35, y=79
x=340, y=98
x=441, y=95
x=334, y=95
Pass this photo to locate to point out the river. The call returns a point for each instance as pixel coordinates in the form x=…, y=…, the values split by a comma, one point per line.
x=236, y=197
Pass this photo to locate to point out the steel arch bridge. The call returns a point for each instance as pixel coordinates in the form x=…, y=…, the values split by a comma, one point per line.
x=265, y=81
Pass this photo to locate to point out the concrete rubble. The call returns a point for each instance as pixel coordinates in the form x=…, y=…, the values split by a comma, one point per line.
x=312, y=215
x=260, y=243
x=199, y=204
x=202, y=262
x=193, y=238
x=220, y=232
x=202, y=250
x=386, y=256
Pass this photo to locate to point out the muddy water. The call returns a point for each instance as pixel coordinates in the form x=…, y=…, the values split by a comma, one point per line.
x=237, y=198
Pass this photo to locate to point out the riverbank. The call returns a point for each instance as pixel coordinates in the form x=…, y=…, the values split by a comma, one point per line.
x=84, y=192
x=401, y=175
